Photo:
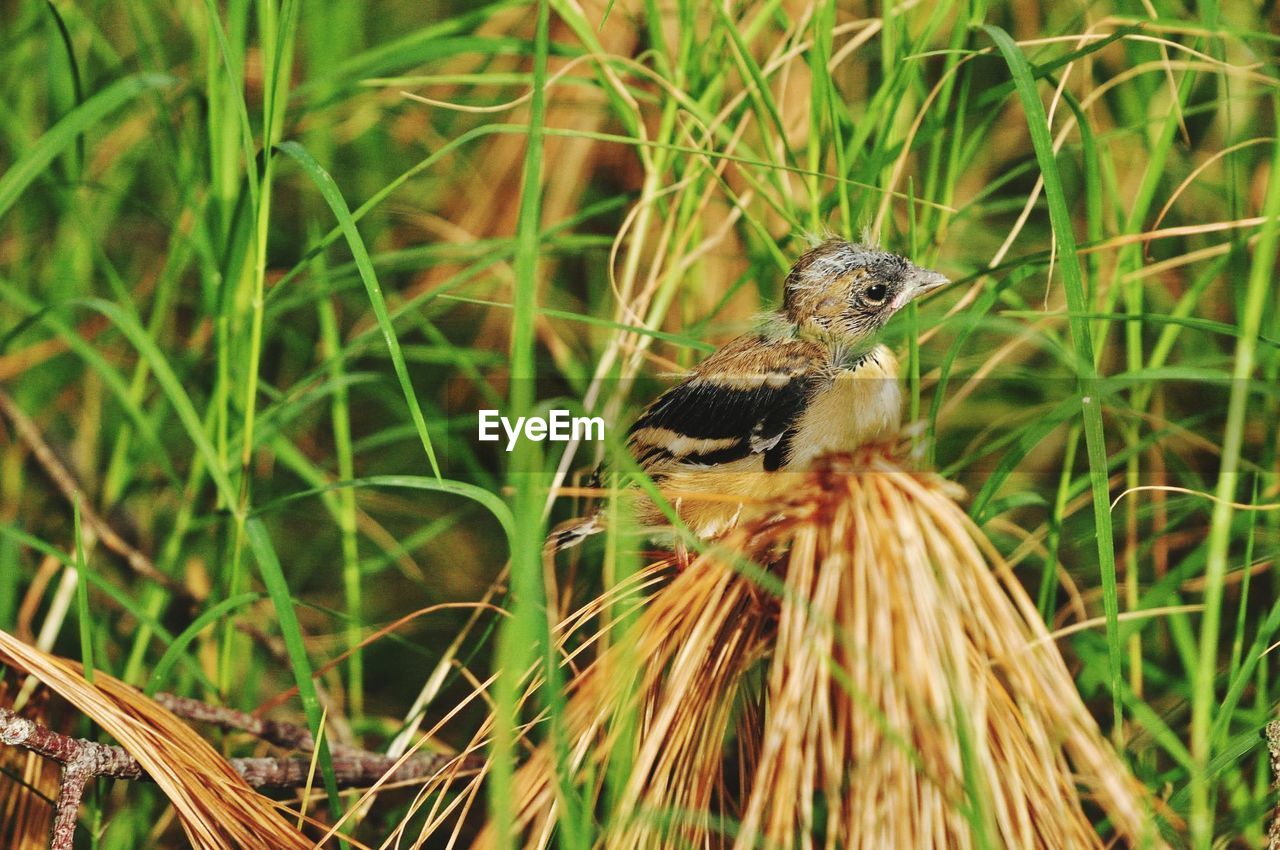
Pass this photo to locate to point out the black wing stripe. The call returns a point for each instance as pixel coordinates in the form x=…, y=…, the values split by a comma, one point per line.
x=650, y=454
x=706, y=412
x=775, y=456
x=782, y=418
x=728, y=454
x=757, y=420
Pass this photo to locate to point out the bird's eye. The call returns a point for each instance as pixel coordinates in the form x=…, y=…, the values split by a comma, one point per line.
x=875, y=293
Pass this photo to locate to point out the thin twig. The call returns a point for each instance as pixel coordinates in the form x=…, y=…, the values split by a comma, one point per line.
x=69, y=487
x=291, y=736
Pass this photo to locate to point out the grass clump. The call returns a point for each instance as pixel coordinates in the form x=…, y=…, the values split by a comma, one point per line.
x=899, y=691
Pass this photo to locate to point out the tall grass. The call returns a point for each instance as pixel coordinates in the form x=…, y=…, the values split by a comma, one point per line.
x=260, y=264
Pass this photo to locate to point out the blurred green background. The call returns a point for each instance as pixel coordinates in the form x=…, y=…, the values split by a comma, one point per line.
x=256, y=258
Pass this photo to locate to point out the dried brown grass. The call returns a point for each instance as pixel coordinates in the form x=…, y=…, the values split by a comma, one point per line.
x=215, y=806
x=900, y=692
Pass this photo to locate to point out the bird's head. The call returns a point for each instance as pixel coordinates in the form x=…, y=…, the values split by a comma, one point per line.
x=846, y=292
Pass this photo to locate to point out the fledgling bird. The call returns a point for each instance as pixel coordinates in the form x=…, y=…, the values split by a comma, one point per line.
x=809, y=381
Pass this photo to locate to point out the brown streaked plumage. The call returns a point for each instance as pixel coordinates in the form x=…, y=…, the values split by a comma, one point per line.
x=810, y=381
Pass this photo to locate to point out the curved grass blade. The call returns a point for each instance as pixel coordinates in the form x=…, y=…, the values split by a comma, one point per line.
x=129, y=325
x=93, y=358
x=174, y=653
x=73, y=72
x=30, y=166
x=488, y=500
x=333, y=196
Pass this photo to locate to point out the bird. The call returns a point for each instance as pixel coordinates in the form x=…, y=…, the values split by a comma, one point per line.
x=810, y=379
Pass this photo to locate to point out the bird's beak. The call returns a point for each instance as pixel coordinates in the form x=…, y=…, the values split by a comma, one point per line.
x=926, y=281
x=918, y=284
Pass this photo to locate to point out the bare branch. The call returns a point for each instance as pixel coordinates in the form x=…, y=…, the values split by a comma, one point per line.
x=98, y=759
x=288, y=735
x=1273, y=747
x=84, y=760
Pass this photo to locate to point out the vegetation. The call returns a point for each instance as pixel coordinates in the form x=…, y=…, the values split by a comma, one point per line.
x=262, y=263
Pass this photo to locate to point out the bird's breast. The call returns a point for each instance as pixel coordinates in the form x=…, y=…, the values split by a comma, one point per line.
x=858, y=406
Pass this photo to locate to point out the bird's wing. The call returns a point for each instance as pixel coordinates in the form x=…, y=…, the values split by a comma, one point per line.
x=742, y=401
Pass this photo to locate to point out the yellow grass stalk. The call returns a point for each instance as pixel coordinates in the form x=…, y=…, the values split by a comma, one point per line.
x=901, y=691
x=216, y=807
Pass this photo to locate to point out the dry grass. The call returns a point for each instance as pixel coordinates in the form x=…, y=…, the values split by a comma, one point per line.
x=909, y=694
x=216, y=807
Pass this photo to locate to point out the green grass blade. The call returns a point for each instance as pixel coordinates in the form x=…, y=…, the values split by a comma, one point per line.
x=488, y=500
x=173, y=387
x=1073, y=280
x=33, y=163
x=295, y=646
x=82, y=597
x=342, y=212
x=1204, y=692
x=525, y=638
x=174, y=653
